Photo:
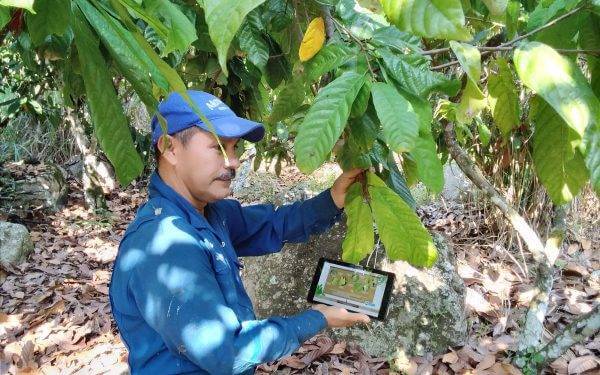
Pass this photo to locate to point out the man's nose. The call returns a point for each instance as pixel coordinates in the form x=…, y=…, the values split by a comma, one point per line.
x=233, y=160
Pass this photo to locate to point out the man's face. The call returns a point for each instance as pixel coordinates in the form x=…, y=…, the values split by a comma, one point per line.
x=201, y=166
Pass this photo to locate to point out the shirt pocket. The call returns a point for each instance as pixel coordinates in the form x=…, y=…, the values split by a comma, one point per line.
x=225, y=277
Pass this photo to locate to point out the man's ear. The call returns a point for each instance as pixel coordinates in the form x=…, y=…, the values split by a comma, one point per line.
x=166, y=147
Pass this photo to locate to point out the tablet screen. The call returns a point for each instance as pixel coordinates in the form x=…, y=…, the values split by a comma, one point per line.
x=351, y=287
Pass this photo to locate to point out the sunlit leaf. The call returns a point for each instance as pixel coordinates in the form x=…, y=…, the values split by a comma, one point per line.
x=503, y=98
x=442, y=19
x=360, y=236
x=328, y=58
x=398, y=118
x=557, y=161
x=417, y=79
x=224, y=18
x=400, y=229
x=325, y=121
x=110, y=124
x=559, y=82
x=25, y=4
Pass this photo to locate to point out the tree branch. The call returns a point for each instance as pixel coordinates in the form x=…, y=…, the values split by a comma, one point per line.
x=527, y=233
x=329, y=27
x=577, y=331
x=533, y=328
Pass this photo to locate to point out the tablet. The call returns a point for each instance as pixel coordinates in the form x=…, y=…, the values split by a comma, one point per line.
x=355, y=288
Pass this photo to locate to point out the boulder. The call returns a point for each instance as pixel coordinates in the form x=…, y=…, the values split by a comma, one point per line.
x=15, y=243
x=426, y=312
x=33, y=187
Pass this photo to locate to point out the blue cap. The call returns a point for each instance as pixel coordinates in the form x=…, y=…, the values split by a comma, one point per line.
x=180, y=116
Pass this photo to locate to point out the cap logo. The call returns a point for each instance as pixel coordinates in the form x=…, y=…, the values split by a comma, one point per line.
x=216, y=103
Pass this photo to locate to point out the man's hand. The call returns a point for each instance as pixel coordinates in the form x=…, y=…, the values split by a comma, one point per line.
x=338, y=317
x=341, y=185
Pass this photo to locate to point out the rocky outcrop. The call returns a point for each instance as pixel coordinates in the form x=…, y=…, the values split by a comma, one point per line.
x=26, y=188
x=426, y=312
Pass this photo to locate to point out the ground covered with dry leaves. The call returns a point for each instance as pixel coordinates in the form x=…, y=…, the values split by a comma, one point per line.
x=55, y=314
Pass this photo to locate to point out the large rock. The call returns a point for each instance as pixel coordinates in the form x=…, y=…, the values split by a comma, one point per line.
x=33, y=187
x=426, y=312
x=15, y=243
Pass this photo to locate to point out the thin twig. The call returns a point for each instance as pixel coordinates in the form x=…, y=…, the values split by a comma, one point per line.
x=358, y=41
x=507, y=46
x=551, y=23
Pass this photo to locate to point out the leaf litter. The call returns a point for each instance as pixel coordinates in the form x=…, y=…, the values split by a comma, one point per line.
x=55, y=314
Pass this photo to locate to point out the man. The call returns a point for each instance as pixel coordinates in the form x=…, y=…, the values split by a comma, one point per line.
x=176, y=292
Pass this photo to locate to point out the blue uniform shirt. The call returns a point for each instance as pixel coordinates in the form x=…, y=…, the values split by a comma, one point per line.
x=176, y=292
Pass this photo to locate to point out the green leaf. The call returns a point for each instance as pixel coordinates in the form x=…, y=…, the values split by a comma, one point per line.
x=399, y=228
x=361, y=21
x=362, y=100
x=133, y=63
x=484, y=132
x=360, y=236
x=560, y=82
x=409, y=166
x=398, y=118
x=429, y=166
x=512, y=18
x=252, y=42
x=25, y=4
x=417, y=80
x=558, y=163
x=51, y=17
x=497, y=8
x=328, y=58
x=224, y=18
x=503, y=98
x=390, y=36
x=469, y=58
x=278, y=67
x=351, y=156
x=423, y=110
x=363, y=130
x=441, y=19
x=396, y=181
x=110, y=124
x=325, y=121
x=544, y=13
x=471, y=103
x=288, y=100
x=4, y=16
x=182, y=32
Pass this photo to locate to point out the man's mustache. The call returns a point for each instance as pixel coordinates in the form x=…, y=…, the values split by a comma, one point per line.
x=226, y=176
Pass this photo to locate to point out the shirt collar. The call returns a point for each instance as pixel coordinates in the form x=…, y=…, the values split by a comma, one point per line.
x=158, y=188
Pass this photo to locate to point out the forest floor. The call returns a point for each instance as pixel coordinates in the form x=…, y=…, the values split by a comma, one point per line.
x=55, y=314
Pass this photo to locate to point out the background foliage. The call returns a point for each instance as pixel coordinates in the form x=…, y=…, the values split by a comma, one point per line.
x=371, y=85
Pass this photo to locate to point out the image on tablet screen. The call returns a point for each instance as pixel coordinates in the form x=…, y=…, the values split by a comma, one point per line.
x=348, y=287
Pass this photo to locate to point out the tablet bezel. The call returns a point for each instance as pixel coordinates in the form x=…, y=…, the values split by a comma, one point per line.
x=386, y=294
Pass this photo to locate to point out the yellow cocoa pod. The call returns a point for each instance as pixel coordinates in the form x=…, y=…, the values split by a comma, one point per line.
x=313, y=40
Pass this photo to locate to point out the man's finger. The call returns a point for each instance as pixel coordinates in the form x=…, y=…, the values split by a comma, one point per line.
x=362, y=318
x=353, y=172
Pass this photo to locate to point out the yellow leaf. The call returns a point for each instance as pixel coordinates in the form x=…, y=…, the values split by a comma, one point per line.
x=313, y=40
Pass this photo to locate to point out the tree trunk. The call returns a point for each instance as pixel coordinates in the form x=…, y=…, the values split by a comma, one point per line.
x=544, y=256
x=97, y=176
